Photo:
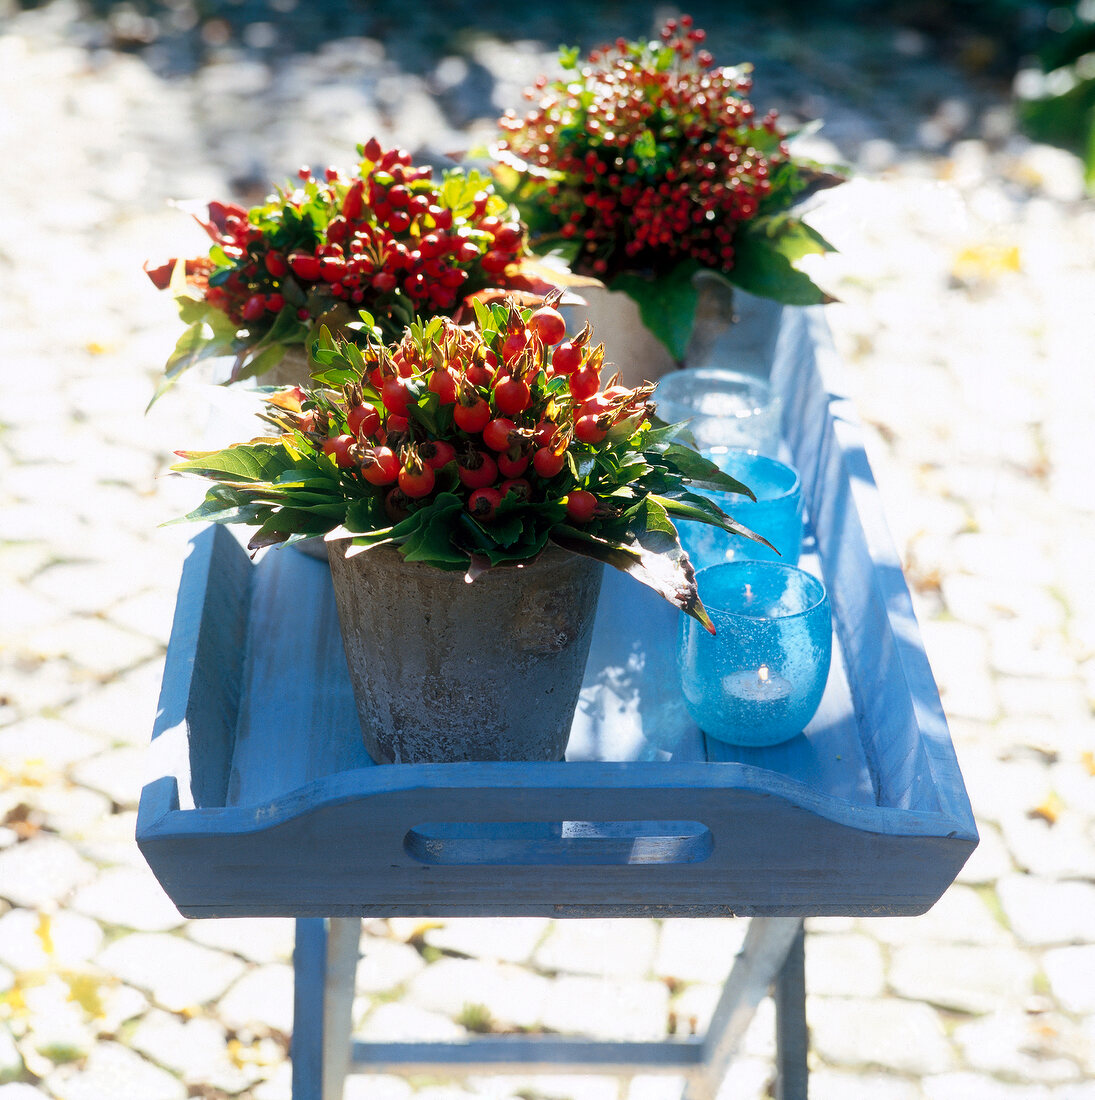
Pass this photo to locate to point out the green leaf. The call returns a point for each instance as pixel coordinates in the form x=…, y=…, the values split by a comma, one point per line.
x=224, y=504
x=250, y=462
x=483, y=316
x=792, y=237
x=667, y=304
x=568, y=57
x=702, y=472
x=195, y=344
x=198, y=342
x=366, y=515
x=645, y=147
x=250, y=364
x=431, y=542
x=193, y=309
x=761, y=268
x=285, y=523
x=335, y=378
x=707, y=511
x=671, y=576
x=505, y=530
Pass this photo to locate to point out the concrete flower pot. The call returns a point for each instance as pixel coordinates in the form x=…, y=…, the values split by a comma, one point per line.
x=732, y=329
x=444, y=670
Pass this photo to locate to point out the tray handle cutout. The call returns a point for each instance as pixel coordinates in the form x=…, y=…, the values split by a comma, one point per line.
x=558, y=843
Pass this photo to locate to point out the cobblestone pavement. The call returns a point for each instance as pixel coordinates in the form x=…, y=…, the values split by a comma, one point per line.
x=967, y=286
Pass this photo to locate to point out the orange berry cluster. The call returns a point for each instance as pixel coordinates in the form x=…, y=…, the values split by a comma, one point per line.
x=484, y=414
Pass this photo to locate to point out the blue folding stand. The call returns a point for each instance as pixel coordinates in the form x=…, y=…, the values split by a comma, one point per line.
x=264, y=803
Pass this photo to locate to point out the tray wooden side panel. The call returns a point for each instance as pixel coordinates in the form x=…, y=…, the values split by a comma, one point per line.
x=895, y=696
x=725, y=843
x=193, y=738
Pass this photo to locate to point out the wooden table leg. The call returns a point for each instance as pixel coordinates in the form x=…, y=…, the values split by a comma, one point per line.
x=755, y=969
x=324, y=965
x=792, y=1042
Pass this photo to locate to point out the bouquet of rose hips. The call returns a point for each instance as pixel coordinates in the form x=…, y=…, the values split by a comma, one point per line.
x=647, y=164
x=387, y=238
x=471, y=448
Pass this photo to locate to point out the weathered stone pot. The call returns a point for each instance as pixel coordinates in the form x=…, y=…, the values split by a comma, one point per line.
x=732, y=329
x=444, y=670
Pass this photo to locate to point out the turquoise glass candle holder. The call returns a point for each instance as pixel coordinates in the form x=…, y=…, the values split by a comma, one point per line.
x=760, y=678
x=776, y=513
x=724, y=408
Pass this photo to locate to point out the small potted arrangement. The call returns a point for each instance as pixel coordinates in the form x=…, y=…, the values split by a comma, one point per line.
x=489, y=454
x=386, y=238
x=646, y=166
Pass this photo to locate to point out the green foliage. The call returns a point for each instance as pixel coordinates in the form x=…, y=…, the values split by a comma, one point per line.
x=646, y=164
x=293, y=487
x=1067, y=118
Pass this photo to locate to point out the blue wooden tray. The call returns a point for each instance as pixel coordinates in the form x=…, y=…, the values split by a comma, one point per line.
x=263, y=801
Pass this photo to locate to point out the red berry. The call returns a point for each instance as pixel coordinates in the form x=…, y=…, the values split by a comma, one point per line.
x=512, y=463
x=477, y=469
x=395, y=396
x=584, y=383
x=275, y=264
x=566, y=358
x=254, y=307
x=332, y=268
x=581, y=505
x=547, y=463
x=340, y=448
x=496, y=433
x=548, y=325
x=338, y=229
x=417, y=482
x=513, y=346
x=587, y=430
x=506, y=237
x=483, y=503
x=516, y=485
x=363, y=420
x=444, y=385
x=511, y=395
x=436, y=453
x=274, y=302
x=383, y=282
x=354, y=201
x=305, y=265
x=381, y=466
x=495, y=262
x=466, y=253
x=472, y=418
x=478, y=374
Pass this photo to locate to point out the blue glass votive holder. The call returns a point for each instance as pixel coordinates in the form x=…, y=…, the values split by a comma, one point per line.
x=776, y=513
x=760, y=678
x=724, y=408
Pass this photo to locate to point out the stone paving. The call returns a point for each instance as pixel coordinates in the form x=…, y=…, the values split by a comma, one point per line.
x=965, y=322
